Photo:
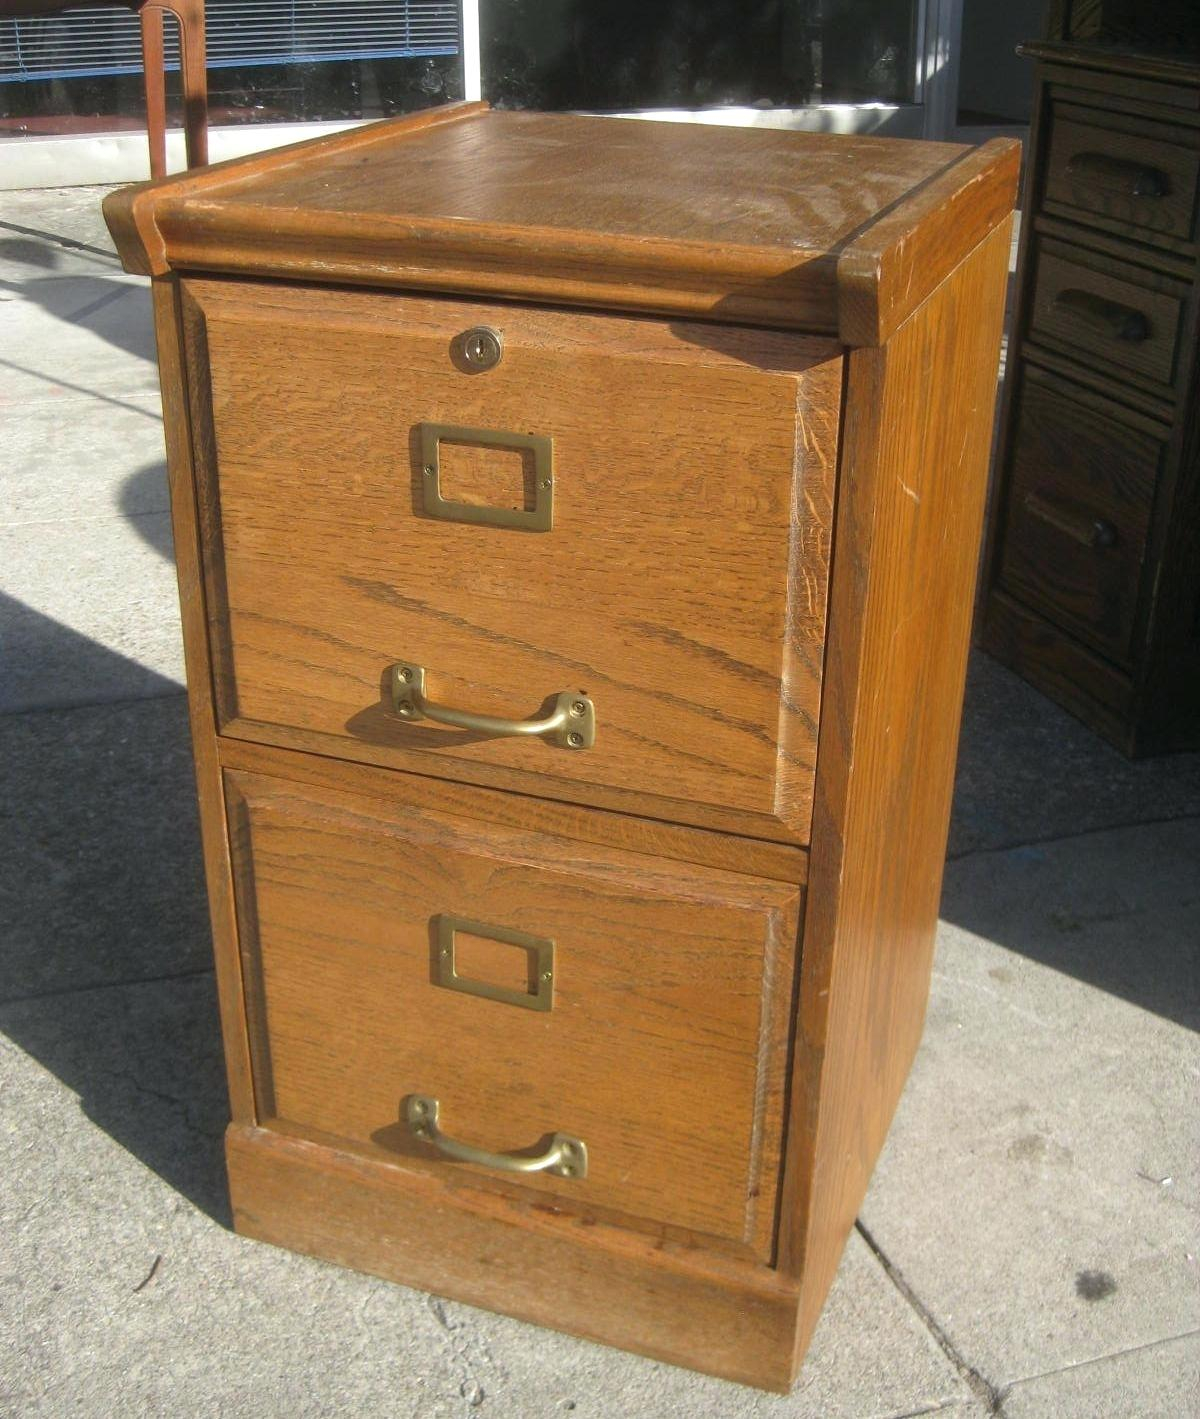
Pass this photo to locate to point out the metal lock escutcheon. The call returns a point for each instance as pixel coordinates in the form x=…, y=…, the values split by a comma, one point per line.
x=482, y=347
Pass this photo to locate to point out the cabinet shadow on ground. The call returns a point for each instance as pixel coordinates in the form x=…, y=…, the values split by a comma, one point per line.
x=1029, y=775
x=105, y=955
x=105, y=972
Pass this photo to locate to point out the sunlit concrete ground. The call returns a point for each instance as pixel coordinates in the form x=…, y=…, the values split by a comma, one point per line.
x=1027, y=1248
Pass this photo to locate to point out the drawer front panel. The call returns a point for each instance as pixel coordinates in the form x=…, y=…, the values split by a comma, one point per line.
x=1119, y=324
x=1136, y=177
x=1079, y=502
x=661, y=1043
x=681, y=583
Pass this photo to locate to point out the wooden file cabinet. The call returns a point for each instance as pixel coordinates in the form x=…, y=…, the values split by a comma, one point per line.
x=576, y=524
x=1093, y=587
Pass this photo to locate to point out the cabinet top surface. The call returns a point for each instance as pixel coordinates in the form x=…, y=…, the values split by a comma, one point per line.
x=711, y=219
x=643, y=179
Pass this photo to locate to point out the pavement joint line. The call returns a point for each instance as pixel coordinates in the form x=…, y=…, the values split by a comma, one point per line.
x=926, y=1409
x=1069, y=837
x=79, y=394
x=98, y=304
x=80, y=389
x=35, y=996
x=987, y=1393
x=88, y=518
x=175, y=692
x=1100, y=1359
x=68, y=243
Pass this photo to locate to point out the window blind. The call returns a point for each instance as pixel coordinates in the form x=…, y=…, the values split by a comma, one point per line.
x=93, y=42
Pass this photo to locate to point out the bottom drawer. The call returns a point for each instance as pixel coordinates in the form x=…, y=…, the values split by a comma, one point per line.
x=1077, y=514
x=538, y=988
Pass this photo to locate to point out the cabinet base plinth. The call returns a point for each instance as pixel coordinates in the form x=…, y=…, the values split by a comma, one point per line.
x=694, y=1308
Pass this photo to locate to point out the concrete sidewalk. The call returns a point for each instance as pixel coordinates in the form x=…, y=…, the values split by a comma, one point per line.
x=1028, y=1246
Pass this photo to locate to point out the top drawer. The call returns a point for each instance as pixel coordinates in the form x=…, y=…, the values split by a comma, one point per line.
x=1124, y=174
x=681, y=478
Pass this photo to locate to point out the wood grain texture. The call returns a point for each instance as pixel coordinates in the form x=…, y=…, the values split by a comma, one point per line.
x=1172, y=78
x=1081, y=491
x=1110, y=315
x=681, y=973
x=130, y=212
x=1135, y=405
x=1054, y=661
x=1168, y=711
x=1132, y=148
x=885, y=273
x=655, y=1298
x=1106, y=243
x=779, y=861
x=682, y=587
x=740, y=225
x=186, y=532
x=914, y=471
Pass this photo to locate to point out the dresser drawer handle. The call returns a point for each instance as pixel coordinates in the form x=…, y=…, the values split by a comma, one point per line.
x=1103, y=317
x=571, y=724
x=1119, y=175
x=1097, y=533
x=566, y=1157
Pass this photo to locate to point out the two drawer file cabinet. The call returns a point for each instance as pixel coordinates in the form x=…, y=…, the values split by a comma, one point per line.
x=576, y=522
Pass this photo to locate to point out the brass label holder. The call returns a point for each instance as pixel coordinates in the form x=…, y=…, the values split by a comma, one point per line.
x=539, y=518
x=539, y=948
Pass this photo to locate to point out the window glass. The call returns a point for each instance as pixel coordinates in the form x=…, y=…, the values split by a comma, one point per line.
x=269, y=61
x=629, y=54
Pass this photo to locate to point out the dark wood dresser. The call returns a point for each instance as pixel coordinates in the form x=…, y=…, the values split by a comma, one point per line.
x=1092, y=585
x=577, y=524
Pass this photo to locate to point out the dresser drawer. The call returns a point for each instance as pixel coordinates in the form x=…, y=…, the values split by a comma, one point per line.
x=1079, y=499
x=1108, y=315
x=645, y=1010
x=1132, y=176
x=671, y=486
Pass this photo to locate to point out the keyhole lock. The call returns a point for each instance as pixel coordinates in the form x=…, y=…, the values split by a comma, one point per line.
x=482, y=347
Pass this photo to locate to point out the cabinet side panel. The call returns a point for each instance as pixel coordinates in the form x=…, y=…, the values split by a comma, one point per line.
x=1168, y=710
x=185, y=527
x=914, y=466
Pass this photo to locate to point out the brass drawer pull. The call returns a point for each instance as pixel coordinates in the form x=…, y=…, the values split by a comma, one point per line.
x=571, y=724
x=1103, y=317
x=565, y=1158
x=1097, y=533
x=1119, y=175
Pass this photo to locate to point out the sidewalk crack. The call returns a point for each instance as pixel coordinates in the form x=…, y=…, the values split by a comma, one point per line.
x=168, y=692
x=34, y=996
x=982, y=1388
x=1101, y=1359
